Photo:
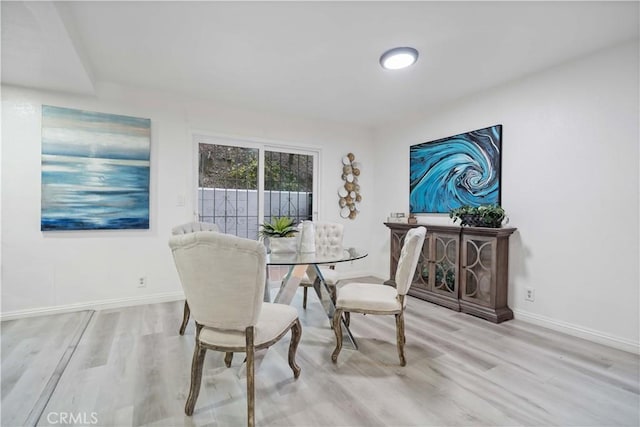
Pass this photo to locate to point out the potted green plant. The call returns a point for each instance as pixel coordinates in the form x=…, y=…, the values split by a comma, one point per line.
x=479, y=216
x=279, y=234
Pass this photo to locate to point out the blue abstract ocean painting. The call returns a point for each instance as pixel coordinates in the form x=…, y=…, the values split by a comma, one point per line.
x=95, y=170
x=460, y=170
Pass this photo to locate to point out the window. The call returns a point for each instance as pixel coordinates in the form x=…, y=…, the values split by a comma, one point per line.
x=288, y=189
x=231, y=175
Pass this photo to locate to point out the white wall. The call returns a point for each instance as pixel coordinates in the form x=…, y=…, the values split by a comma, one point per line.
x=43, y=272
x=569, y=184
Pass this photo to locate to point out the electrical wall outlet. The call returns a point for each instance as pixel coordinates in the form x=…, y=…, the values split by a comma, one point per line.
x=142, y=282
x=530, y=294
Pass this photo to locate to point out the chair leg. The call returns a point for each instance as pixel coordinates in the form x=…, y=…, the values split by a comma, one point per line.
x=196, y=377
x=400, y=337
x=228, y=357
x=251, y=398
x=304, y=298
x=337, y=329
x=296, y=333
x=185, y=317
x=347, y=318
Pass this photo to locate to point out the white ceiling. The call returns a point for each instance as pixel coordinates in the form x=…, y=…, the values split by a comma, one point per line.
x=310, y=59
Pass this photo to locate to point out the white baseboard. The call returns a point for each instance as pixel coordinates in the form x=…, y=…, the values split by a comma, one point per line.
x=536, y=319
x=116, y=303
x=578, y=331
x=94, y=305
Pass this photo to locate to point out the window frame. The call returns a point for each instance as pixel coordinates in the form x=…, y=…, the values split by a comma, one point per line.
x=261, y=145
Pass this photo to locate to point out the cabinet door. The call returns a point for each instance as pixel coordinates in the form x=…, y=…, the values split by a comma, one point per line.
x=478, y=276
x=444, y=264
x=397, y=239
x=421, y=276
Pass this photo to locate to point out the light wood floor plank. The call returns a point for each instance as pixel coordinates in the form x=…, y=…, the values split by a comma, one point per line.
x=33, y=350
x=131, y=368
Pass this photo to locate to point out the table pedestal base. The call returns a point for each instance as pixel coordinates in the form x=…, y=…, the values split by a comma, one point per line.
x=290, y=285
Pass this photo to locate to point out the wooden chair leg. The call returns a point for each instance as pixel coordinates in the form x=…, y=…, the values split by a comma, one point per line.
x=250, y=378
x=185, y=318
x=337, y=329
x=304, y=298
x=296, y=333
x=196, y=374
x=347, y=318
x=400, y=337
x=228, y=357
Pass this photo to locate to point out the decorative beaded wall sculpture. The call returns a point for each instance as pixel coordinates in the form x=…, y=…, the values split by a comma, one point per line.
x=349, y=193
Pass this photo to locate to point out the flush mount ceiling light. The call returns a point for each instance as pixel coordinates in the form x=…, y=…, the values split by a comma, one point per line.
x=399, y=57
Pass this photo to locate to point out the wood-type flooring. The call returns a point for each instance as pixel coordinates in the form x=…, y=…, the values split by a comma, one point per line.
x=130, y=367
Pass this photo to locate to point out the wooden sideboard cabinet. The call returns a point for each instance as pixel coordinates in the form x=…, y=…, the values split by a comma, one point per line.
x=463, y=268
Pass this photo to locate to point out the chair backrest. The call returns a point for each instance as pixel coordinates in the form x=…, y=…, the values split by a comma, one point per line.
x=192, y=227
x=328, y=237
x=409, y=256
x=223, y=277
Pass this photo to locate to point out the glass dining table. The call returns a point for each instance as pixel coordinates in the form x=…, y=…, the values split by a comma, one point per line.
x=298, y=264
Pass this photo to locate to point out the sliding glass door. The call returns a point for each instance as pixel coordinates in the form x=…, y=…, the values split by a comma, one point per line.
x=288, y=189
x=241, y=185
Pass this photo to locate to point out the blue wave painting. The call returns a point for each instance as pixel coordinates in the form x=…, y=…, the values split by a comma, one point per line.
x=456, y=171
x=95, y=170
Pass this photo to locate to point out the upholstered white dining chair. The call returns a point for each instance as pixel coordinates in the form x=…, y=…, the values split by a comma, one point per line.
x=328, y=238
x=369, y=298
x=191, y=227
x=223, y=277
